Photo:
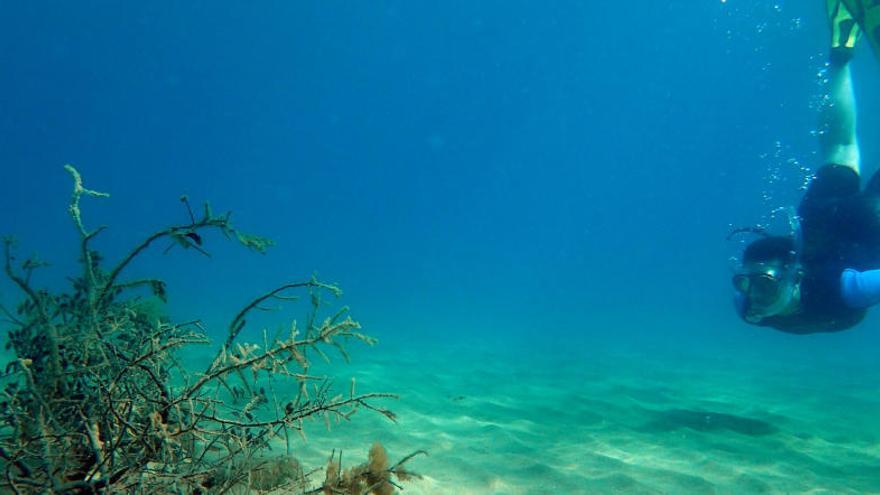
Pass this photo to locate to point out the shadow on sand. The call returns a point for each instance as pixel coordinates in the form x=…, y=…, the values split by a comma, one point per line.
x=708, y=421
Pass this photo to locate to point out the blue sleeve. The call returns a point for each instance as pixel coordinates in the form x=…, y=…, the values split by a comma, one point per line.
x=860, y=289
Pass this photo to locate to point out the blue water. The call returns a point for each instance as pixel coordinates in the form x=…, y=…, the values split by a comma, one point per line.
x=496, y=172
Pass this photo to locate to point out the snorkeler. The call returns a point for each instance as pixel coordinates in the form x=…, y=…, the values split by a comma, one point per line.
x=825, y=274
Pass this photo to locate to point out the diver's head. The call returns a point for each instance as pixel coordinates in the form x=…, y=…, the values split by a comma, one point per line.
x=768, y=281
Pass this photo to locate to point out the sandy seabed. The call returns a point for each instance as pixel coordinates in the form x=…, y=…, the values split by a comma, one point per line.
x=599, y=420
x=615, y=422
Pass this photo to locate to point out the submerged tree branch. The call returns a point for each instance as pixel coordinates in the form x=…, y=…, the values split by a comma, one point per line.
x=96, y=398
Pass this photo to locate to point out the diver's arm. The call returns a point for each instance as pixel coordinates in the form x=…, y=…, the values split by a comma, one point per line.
x=837, y=118
x=860, y=289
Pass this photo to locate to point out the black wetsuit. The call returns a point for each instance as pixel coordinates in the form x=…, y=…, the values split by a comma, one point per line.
x=841, y=229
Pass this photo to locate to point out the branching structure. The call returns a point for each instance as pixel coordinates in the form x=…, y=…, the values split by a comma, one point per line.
x=95, y=401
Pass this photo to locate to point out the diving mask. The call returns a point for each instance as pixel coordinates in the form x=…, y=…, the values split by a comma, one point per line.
x=766, y=289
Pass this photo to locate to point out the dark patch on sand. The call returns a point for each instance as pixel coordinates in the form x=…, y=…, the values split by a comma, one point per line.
x=707, y=421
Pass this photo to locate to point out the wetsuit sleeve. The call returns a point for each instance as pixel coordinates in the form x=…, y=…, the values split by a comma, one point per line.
x=860, y=289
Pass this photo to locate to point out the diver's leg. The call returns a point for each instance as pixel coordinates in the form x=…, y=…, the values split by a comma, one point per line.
x=837, y=118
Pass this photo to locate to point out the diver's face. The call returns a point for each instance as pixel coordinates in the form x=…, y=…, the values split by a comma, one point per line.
x=767, y=289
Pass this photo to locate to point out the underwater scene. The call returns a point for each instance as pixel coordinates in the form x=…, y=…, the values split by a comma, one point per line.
x=453, y=247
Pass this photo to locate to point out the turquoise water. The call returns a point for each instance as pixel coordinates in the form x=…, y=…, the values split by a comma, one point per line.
x=526, y=204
